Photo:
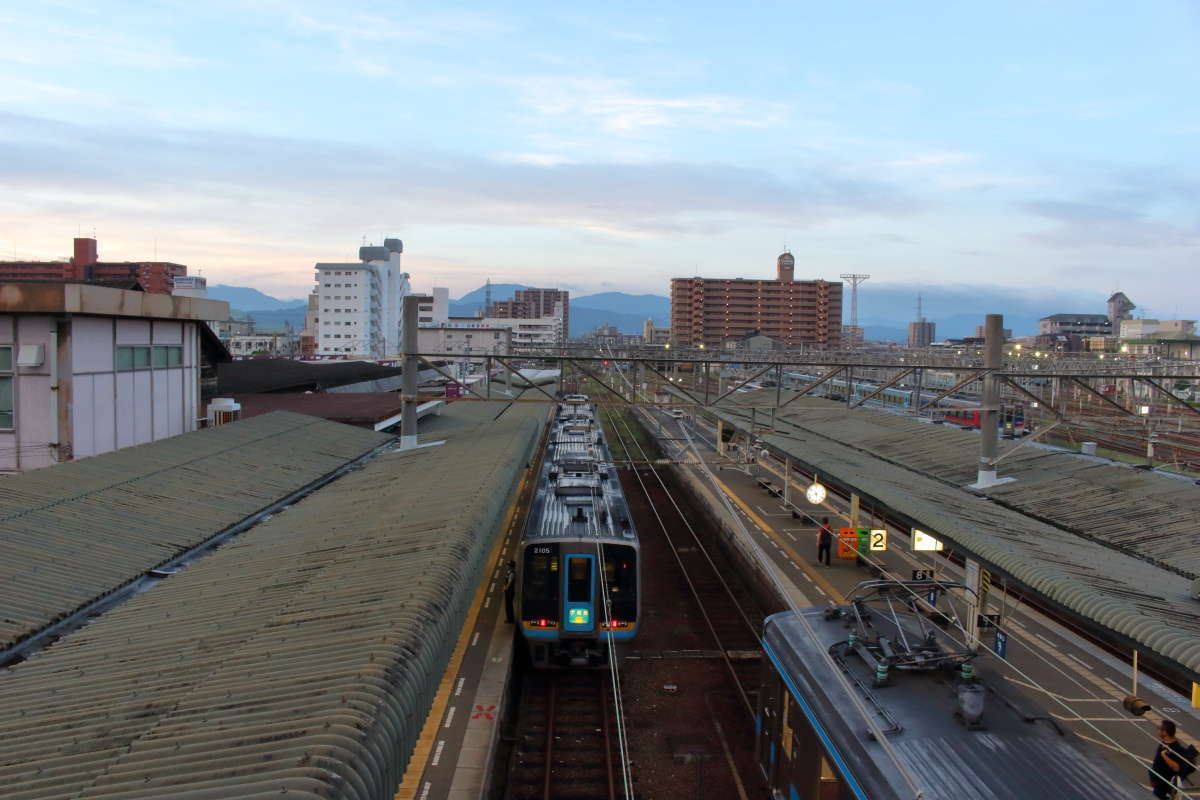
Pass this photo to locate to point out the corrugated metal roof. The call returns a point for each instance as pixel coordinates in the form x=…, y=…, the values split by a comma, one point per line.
x=1118, y=591
x=300, y=658
x=74, y=532
x=1151, y=516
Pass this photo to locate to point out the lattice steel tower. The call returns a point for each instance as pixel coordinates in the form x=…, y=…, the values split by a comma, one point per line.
x=854, y=280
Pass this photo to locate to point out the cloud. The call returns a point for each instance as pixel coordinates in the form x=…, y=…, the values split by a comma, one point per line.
x=179, y=175
x=621, y=111
x=1145, y=208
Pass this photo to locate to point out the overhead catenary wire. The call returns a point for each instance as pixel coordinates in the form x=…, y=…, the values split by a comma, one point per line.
x=772, y=572
x=1071, y=712
x=687, y=579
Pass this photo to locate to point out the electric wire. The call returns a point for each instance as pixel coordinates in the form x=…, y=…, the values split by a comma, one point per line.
x=1071, y=712
x=774, y=574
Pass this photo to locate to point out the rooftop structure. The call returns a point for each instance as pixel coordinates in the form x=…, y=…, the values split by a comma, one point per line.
x=80, y=531
x=155, y=276
x=709, y=311
x=301, y=659
x=1043, y=531
x=85, y=369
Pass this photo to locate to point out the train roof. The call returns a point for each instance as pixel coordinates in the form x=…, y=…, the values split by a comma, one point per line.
x=1018, y=751
x=579, y=494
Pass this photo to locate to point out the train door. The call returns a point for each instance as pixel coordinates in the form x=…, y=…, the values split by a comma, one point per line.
x=578, y=579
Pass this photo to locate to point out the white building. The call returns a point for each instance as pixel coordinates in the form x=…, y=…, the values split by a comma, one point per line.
x=360, y=304
x=540, y=332
x=436, y=309
x=465, y=341
x=87, y=369
x=271, y=344
x=1151, y=328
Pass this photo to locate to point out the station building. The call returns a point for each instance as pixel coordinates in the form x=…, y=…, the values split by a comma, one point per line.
x=795, y=313
x=86, y=369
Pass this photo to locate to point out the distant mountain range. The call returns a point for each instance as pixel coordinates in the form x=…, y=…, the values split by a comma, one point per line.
x=625, y=311
x=245, y=297
x=884, y=309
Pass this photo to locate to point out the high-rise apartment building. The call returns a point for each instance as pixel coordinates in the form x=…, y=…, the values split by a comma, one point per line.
x=794, y=313
x=360, y=305
x=85, y=265
x=535, y=304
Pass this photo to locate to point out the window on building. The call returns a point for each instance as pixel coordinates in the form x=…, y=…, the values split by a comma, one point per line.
x=131, y=357
x=6, y=388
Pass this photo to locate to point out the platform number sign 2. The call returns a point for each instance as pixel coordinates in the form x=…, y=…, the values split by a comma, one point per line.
x=878, y=539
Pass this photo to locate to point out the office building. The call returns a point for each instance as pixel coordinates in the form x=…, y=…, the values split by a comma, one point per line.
x=535, y=303
x=360, y=305
x=792, y=313
x=85, y=265
x=1075, y=325
x=653, y=335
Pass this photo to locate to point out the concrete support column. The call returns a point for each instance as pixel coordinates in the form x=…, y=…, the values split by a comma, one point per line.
x=408, y=388
x=989, y=437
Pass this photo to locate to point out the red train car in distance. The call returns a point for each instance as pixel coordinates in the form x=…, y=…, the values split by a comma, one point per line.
x=967, y=414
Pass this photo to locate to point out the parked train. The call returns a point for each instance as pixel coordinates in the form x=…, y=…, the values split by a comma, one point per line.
x=954, y=730
x=956, y=410
x=579, y=570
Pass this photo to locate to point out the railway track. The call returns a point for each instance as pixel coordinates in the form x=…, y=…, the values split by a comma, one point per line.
x=721, y=602
x=564, y=747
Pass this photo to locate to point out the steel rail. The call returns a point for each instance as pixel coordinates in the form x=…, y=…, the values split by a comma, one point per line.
x=687, y=578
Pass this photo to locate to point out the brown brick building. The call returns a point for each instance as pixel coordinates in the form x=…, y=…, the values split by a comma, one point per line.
x=710, y=310
x=152, y=276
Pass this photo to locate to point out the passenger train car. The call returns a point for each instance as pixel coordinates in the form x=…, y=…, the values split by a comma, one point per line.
x=953, y=730
x=957, y=411
x=578, y=574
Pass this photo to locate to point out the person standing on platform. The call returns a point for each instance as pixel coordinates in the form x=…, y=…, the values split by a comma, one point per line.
x=510, y=590
x=824, y=542
x=1169, y=761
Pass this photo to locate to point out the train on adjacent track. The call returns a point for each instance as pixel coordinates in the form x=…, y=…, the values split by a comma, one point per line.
x=878, y=699
x=579, y=569
x=955, y=410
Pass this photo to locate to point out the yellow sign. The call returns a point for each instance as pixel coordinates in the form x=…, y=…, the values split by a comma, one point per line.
x=922, y=541
x=879, y=539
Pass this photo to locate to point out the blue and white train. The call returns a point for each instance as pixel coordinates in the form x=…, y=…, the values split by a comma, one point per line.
x=578, y=573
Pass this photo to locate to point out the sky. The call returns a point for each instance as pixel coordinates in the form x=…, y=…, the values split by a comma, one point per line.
x=611, y=147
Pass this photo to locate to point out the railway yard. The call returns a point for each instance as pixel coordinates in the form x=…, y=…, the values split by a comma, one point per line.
x=327, y=621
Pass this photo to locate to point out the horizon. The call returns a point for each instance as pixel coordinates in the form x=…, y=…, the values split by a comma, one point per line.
x=611, y=149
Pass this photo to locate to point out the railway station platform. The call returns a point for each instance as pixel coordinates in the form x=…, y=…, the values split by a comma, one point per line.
x=453, y=757
x=1080, y=682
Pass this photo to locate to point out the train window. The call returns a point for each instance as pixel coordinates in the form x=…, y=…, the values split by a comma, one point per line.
x=620, y=573
x=539, y=586
x=579, y=580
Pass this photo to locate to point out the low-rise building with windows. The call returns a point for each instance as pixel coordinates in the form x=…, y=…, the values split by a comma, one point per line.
x=87, y=369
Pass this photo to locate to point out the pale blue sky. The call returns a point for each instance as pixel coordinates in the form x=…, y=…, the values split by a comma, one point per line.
x=1035, y=143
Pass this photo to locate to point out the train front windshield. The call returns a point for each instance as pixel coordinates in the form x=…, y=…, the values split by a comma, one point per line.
x=620, y=575
x=579, y=580
x=539, y=595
